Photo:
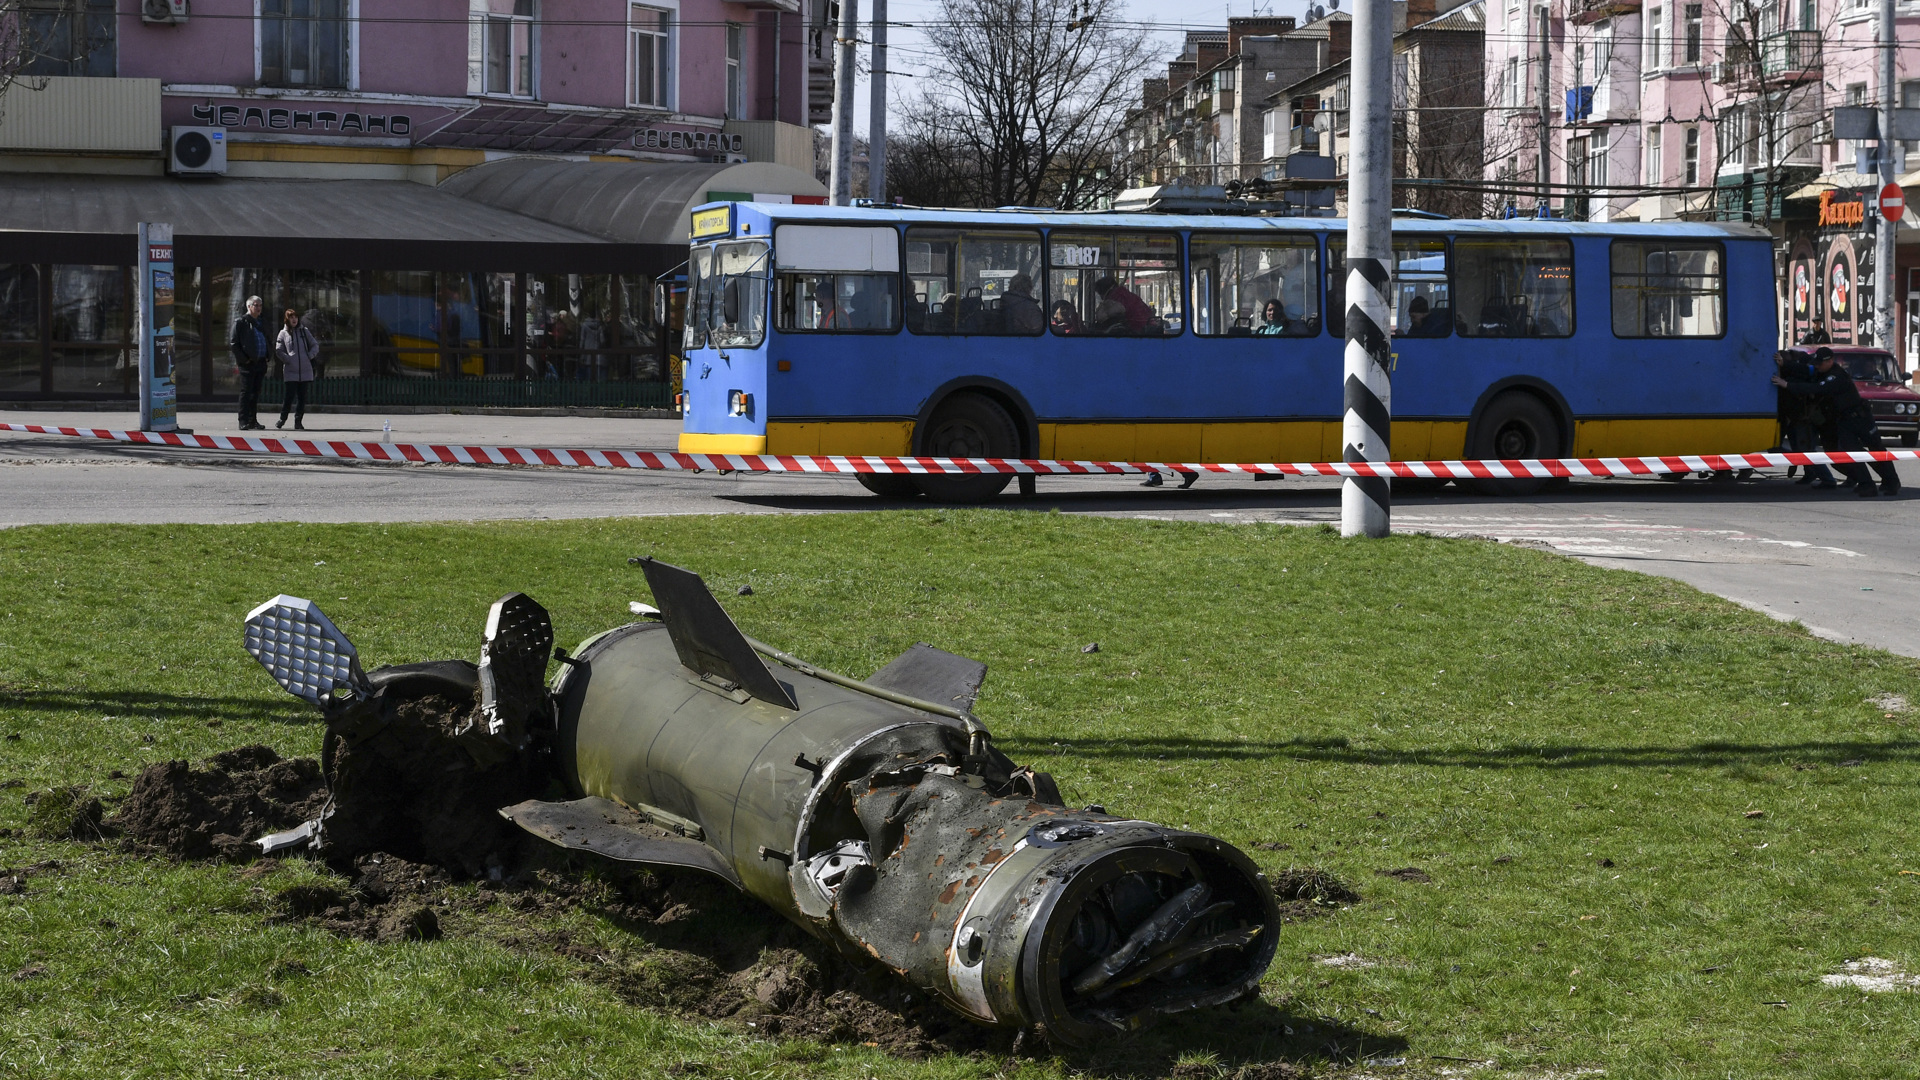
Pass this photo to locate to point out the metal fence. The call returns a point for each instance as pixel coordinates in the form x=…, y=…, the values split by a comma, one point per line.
x=482, y=392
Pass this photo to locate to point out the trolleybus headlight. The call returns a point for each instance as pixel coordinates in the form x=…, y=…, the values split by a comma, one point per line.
x=739, y=403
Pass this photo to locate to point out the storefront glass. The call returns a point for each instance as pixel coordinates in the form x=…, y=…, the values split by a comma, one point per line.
x=328, y=302
x=19, y=328
x=92, y=331
x=590, y=328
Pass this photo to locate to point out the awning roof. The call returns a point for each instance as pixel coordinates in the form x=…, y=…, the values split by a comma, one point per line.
x=318, y=224
x=629, y=202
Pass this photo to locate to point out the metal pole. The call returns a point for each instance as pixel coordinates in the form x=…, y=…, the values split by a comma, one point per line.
x=779, y=45
x=1543, y=207
x=1366, y=502
x=143, y=325
x=877, y=123
x=1883, y=256
x=840, y=173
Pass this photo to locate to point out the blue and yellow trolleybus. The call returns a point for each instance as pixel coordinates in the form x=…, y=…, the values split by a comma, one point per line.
x=1149, y=337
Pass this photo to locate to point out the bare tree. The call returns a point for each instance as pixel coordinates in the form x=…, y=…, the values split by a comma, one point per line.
x=1771, y=96
x=50, y=37
x=1024, y=105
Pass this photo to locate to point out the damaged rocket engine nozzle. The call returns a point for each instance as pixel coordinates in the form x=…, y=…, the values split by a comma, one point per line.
x=879, y=815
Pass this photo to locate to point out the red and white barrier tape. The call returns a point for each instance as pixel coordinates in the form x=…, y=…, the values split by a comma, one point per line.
x=433, y=453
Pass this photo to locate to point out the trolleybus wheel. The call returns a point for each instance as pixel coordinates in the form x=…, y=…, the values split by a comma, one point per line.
x=890, y=485
x=968, y=426
x=1515, y=426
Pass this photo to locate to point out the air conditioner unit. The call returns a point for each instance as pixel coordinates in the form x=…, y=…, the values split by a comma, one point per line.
x=197, y=151
x=163, y=12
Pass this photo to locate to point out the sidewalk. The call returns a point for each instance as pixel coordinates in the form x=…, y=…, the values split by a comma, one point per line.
x=465, y=429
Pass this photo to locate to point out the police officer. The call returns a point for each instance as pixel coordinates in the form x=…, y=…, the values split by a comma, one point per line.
x=1800, y=417
x=1852, y=419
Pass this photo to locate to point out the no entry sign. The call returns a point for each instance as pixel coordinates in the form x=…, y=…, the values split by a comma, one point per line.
x=1893, y=202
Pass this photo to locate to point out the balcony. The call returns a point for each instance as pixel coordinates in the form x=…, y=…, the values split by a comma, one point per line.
x=1587, y=12
x=1303, y=140
x=1790, y=57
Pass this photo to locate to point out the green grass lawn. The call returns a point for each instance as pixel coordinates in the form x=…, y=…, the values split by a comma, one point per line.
x=1571, y=754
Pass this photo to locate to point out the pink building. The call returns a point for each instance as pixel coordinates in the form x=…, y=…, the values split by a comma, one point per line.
x=1715, y=109
x=449, y=191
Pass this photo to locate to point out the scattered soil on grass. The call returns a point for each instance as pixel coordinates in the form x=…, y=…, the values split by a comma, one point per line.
x=220, y=808
x=13, y=881
x=1408, y=873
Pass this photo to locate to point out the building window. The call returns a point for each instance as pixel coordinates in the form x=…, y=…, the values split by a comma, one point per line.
x=304, y=43
x=509, y=48
x=1655, y=39
x=69, y=37
x=1513, y=82
x=736, y=80
x=1597, y=158
x=650, y=57
x=1690, y=156
x=1655, y=172
x=1693, y=33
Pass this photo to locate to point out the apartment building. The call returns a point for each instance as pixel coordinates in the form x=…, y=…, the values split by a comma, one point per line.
x=1717, y=109
x=1438, y=101
x=467, y=200
x=1205, y=122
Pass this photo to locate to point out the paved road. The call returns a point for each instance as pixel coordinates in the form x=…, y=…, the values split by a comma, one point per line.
x=1846, y=567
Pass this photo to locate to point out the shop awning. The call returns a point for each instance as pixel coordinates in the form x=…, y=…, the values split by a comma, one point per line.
x=628, y=202
x=313, y=224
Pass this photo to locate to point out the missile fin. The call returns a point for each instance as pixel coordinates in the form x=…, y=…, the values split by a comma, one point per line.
x=606, y=828
x=934, y=674
x=705, y=636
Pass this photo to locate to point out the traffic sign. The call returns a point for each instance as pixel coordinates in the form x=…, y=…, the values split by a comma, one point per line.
x=1893, y=202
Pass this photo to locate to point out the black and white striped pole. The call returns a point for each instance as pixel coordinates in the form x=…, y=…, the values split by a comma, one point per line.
x=1366, y=503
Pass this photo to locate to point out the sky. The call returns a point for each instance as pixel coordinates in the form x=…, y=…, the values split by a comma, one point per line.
x=907, y=48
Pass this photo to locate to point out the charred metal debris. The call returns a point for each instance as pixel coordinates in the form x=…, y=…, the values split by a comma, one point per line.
x=876, y=814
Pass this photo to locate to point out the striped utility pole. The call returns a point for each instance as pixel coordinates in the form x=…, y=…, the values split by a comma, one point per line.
x=1366, y=503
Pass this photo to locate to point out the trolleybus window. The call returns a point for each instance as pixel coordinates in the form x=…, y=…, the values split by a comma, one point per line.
x=728, y=286
x=1668, y=290
x=1125, y=284
x=1420, y=303
x=837, y=279
x=1254, y=285
x=1514, y=288
x=974, y=281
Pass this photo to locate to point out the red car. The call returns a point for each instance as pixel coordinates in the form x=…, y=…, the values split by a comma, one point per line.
x=1896, y=409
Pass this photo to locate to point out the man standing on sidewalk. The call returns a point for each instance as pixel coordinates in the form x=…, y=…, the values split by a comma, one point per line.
x=252, y=347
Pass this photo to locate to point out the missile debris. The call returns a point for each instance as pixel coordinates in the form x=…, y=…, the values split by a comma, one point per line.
x=876, y=814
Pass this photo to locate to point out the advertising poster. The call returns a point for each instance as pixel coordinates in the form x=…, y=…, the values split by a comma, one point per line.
x=154, y=324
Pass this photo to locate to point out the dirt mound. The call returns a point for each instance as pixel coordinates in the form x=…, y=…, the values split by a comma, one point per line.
x=219, y=809
x=1314, y=886
x=414, y=790
x=64, y=813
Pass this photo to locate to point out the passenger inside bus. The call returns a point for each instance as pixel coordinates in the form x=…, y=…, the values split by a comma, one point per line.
x=1120, y=311
x=828, y=314
x=1020, y=310
x=1066, y=320
x=1273, y=318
